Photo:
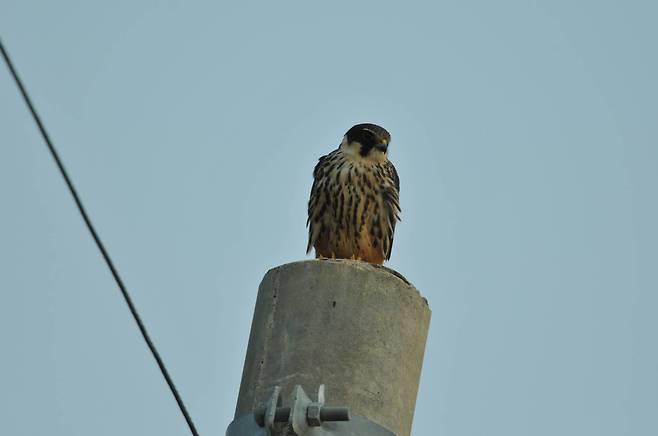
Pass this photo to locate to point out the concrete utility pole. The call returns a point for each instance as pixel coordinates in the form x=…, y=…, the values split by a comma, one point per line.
x=358, y=329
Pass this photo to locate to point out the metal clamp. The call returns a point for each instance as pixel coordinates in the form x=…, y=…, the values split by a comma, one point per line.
x=304, y=417
x=302, y=414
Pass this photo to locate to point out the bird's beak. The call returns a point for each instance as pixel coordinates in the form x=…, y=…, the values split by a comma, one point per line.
x=382, y=147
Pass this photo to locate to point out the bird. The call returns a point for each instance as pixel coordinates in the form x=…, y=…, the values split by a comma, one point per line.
x=355, y=199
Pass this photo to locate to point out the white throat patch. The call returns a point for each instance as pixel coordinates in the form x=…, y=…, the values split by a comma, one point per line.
x=353, y=151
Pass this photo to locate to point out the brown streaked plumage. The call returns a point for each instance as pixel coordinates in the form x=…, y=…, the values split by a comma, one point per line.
x=354, y=202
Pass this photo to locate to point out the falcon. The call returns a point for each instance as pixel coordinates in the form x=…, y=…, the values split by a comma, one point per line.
x=354, y=202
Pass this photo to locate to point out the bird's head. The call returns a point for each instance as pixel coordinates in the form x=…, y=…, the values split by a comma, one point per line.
x=367, y=141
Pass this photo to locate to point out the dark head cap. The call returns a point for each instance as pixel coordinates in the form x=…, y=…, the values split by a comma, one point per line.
x=369, y=136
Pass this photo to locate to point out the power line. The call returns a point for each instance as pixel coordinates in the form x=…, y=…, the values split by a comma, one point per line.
x=99, y=243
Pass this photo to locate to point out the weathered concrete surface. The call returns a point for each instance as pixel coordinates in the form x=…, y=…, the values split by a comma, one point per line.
x=357, y=328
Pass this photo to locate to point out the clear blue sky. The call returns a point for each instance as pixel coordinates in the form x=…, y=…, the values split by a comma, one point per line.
x=525, y=136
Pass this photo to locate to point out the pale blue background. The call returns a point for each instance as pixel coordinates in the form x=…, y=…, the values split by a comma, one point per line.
x=526, y=138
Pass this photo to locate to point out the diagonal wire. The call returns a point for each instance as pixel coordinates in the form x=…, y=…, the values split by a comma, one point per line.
x=99, y=243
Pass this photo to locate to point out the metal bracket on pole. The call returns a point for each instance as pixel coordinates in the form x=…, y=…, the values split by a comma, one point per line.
x=305, y=417
x=269, y=414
